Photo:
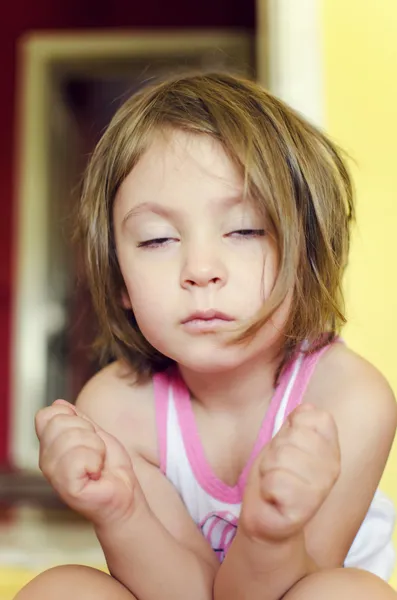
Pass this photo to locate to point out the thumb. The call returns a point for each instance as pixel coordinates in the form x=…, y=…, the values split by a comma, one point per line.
x=61, y=402
x=44, y=415
x=117, y=456
x=76, y=412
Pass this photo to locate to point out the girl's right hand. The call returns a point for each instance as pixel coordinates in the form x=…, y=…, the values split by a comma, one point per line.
x=89, y=469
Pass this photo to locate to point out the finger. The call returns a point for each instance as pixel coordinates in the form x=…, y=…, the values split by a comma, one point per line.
x=44, y=416
x=76, y=470
x=320, y=421
x=70, y=442
x=308, y=467
x=61, y=423
x=282, y=487
x=280, y=490
x=307, y=440
x=117, y=456
x=76, y=412
x=61, y=402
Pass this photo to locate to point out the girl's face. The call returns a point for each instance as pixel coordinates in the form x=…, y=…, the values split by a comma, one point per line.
x=196, y=259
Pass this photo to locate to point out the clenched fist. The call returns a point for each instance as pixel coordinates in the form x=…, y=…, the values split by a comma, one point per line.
x=89, y=469
x=292, y=476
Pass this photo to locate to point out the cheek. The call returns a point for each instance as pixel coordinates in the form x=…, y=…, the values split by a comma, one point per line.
x=264, y=270
x=270, y=268
x=141, y=281
x=280, y=317
x=149, y=314
x=144, y=290
x=141, y=292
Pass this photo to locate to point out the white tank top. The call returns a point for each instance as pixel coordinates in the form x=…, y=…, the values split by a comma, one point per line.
x=214, y=505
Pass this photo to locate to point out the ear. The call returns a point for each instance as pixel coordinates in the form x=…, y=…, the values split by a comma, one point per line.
x=125, y=300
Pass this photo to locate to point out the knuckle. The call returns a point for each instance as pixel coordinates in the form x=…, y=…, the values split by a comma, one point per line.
x=293, y=436
x=316, y=498
x=279, y=453
x=273, y=457
x=297, y=420
x=40, y=413
x=71, y=486
x=74, y=434
x=45, y=463
x=325, y=420
x=282, y=454
x=318, y=419
x=77, y=437
x=65, y=418
x=58, y=423
x=40, y=419
x=275, y=482
x=265, y=456
x=41, y=463
x=335, y=470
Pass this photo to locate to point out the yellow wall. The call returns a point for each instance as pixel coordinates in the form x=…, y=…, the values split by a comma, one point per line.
x=360, y=50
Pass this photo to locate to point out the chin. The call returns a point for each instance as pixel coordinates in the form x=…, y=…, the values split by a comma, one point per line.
x=218, y=361
x=208, y=355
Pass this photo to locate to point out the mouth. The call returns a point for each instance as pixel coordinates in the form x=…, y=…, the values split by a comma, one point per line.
x=206, y=320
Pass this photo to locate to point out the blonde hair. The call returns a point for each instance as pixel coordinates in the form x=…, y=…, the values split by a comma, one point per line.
x=292, y=172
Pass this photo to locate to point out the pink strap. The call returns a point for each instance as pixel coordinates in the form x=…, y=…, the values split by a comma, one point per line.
x=161, y=384
x=266, y=431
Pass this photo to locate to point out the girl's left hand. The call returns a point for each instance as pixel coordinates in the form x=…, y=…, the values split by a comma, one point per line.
x=292, y=476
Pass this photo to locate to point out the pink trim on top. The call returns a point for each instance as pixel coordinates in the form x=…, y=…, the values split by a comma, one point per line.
x=161, y=384
x=194, y=449
x=306, y=371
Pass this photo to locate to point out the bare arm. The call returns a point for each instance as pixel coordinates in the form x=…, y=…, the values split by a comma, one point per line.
x=363, y=408
x=158, y=552
x=365, y=411
x=262, y=571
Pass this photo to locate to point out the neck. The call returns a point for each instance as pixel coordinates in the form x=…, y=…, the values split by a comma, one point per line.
x=233, y=390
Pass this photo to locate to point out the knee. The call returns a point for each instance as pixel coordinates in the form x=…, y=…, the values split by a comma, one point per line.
x=341, y=584
x=65, y=581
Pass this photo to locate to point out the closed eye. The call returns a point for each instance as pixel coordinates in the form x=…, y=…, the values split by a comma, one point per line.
x=247, y=233
x=156, y=242
x=239, y=233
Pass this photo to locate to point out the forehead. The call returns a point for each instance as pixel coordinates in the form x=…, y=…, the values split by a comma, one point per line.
x=184, y=166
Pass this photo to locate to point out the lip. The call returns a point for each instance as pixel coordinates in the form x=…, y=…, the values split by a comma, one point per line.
x=206, y=321
x=208, y=315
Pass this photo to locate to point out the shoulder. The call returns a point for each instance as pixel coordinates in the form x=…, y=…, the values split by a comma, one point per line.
x=125, y=408
x=342, y=373
x=116, y=378
x=356, y=394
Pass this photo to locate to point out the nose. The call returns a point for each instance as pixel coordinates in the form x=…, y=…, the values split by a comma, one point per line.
x=203, y=268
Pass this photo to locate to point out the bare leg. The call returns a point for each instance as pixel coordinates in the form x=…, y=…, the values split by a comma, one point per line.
x=84, y=583
x=74, y=582
x=341, y=584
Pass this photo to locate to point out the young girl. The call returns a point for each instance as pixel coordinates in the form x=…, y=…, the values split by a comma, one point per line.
x=234, y=448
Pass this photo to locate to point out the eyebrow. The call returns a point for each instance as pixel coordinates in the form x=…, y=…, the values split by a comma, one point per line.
x=153, y=207
x=166, y=212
